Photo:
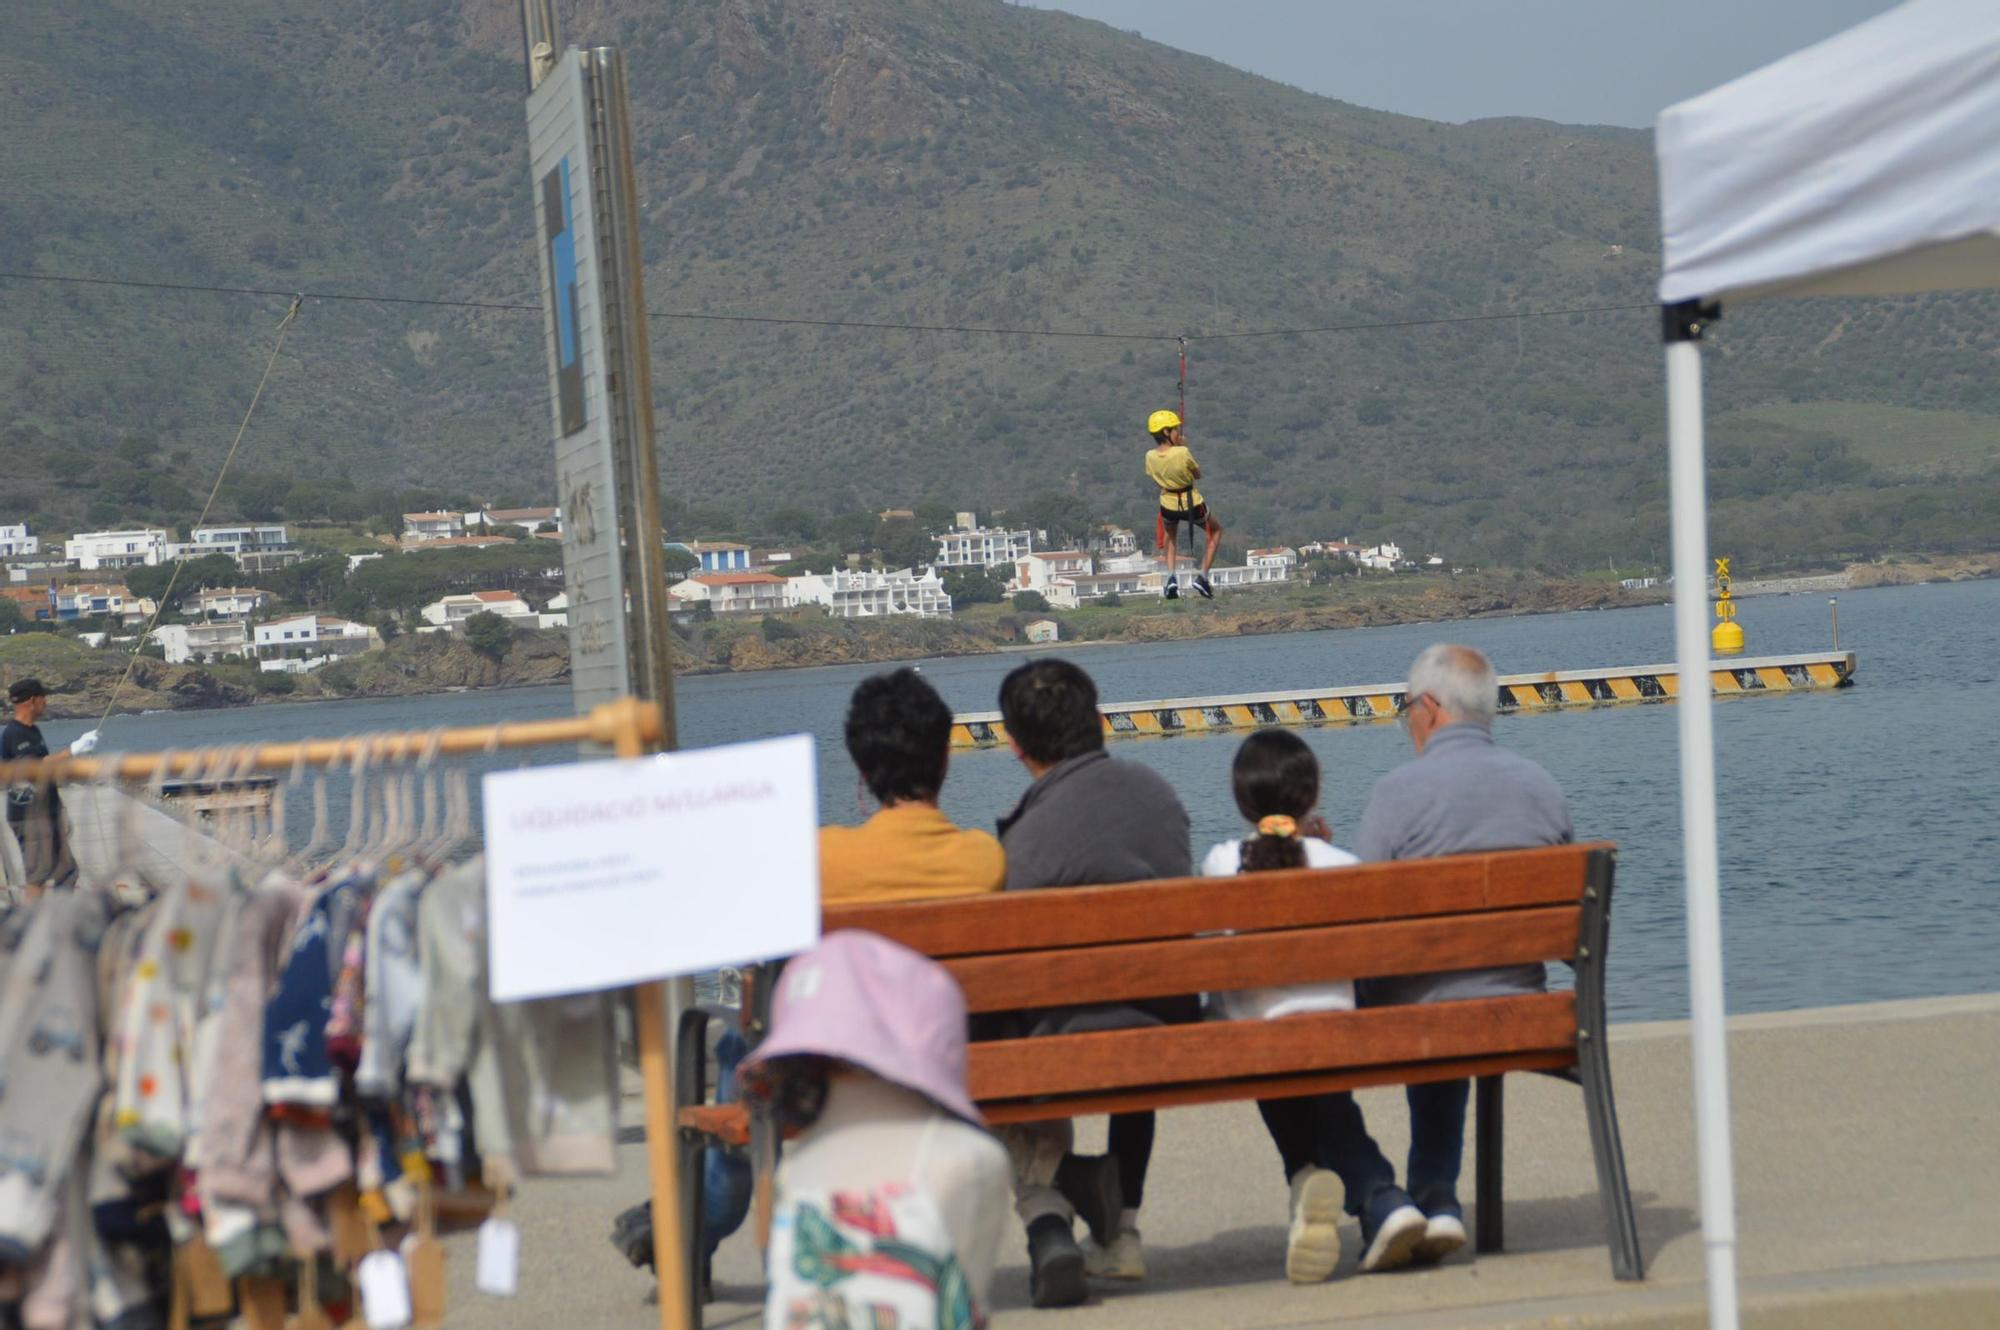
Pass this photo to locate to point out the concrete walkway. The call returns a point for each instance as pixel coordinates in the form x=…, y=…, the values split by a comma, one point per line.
x=1868, y=1171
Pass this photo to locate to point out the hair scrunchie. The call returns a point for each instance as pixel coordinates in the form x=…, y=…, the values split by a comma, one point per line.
x=1277, y=824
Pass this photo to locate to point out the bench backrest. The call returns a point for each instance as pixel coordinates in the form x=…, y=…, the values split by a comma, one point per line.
x=1068, y=946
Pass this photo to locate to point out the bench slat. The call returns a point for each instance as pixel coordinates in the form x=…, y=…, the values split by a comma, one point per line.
x=1294, y=898
x=1071, y=1064
x=1271, y=1087
x=1249, y=960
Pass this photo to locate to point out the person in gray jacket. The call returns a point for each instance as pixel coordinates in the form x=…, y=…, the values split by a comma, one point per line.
x=1088, y=819
x=1461, y=794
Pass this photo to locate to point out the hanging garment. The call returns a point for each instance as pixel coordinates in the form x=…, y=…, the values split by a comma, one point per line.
x=296, y=1067
x=393, y=986
x=161, y=1009
x=48, y=1060
x=543, y=1075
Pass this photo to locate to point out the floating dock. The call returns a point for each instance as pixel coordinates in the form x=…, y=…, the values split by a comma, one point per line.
x=1559, y=691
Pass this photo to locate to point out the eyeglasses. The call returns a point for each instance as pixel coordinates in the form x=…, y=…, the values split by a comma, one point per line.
x=1405, y=706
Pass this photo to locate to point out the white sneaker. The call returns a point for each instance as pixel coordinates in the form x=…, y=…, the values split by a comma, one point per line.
x=1122, y=1258
x=1312, y=1249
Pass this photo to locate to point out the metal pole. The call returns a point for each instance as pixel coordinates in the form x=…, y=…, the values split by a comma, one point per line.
x=632, y=387
x=1833, y=603
x=1698, y=821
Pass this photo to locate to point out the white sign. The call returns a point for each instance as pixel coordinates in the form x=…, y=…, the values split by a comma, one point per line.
x=606, y=874
x=561, y=170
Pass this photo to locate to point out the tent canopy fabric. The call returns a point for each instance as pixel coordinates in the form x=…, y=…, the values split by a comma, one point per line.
x=1866, y=165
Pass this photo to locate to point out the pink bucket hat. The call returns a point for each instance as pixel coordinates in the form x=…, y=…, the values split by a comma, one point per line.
x=875, y=1003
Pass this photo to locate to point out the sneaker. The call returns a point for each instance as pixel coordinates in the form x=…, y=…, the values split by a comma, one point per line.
x=1090, y=1184
x=1201, y=585
x=1444, y=1229
x=1173, y=591
x=1055, y=1264
x=1391, y=1228
x=1121, y=1258
x=1312, y=1249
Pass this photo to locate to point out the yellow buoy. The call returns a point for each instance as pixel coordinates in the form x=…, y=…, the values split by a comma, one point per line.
x=1727, y=637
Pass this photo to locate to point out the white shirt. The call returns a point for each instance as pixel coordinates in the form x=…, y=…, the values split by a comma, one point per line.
x=1263, y=1004
x=870, y=1132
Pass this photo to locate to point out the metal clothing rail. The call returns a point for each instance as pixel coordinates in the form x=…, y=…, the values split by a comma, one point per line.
x=629, y=728
x=615, y=725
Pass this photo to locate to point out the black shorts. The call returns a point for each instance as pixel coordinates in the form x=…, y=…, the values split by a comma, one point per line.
x=1197, y=515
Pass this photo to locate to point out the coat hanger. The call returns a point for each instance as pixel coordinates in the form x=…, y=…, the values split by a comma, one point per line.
x=357, y=804
x=302, y=862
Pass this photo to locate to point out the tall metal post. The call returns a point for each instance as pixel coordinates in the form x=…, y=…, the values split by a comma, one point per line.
x=614, y=563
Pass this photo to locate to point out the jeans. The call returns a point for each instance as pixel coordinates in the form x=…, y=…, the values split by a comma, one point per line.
x=1327, y=1130
x=725, y=1188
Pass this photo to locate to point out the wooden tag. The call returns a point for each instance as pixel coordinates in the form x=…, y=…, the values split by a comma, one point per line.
x=310, y=1316
x=423, y=1257
x=209, y=1293
x=263, y=1302
x=347, y=1226
x=177, y=1295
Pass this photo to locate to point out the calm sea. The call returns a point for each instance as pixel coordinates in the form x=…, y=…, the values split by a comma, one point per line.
x=1860, y=829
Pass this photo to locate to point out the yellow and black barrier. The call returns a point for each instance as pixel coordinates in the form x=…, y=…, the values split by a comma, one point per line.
x=1557, y=691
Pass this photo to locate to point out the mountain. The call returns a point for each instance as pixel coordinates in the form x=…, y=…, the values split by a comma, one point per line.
x=950, y=162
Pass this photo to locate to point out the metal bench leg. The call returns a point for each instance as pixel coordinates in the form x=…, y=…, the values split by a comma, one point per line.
x=1614, y=1190
x=1491, y=1129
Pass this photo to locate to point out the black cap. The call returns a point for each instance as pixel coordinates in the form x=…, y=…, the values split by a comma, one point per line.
x=22, y=690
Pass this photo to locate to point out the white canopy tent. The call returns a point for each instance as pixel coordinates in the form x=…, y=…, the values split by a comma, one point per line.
x=1866, y=165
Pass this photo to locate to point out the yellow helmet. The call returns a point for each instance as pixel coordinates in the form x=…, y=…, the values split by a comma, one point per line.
x=1161, y=421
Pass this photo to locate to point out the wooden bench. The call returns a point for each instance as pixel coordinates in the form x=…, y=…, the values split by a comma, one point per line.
x=1140, y=940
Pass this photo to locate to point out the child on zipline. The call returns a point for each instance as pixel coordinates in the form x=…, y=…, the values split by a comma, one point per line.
x=1173, y=468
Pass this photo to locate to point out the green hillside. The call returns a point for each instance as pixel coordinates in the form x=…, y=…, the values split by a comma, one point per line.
x=927, y=161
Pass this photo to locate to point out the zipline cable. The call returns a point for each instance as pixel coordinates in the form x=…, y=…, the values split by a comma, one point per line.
x=805, y=322
x=173, y=576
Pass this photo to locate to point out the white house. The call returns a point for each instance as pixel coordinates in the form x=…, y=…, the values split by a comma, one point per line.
x=305, y=637
x=433, y=526
x=1038, y=572
x=852, y=595
x=1386, y=557
x=1331, y=549
x=970, y=546
x=1070, y=591
x=92, y=550
x=257, y=547
x=556, y=613
x=733, y=593
x=720, y=556
x=92, y=600
x=213, y=639
x=226, y=602
x=1282, y=557
x=527, y=519
x=1041, y=630
x=16, y=543
x=452, y=611
x=1118, y=539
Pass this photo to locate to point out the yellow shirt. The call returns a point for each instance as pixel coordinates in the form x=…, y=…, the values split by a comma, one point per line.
x=906, y=853
x=1172, y=469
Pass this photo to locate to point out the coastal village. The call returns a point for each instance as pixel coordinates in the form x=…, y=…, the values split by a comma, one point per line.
x=231, y=597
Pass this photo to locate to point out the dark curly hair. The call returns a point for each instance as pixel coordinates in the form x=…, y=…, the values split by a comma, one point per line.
x=1274, y=773
x=899, y=735
x=1050, y=710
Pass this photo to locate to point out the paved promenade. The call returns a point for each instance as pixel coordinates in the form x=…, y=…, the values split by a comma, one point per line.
x=1868, y=1171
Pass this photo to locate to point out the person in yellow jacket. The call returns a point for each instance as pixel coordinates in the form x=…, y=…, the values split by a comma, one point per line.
x=1173, y=468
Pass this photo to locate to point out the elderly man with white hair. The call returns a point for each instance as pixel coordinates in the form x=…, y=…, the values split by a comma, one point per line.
x=1461, y=794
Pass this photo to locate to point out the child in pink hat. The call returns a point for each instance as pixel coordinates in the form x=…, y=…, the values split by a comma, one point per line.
x=893, y=1194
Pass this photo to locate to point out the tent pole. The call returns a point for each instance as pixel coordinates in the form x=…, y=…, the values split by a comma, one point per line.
x=1684, y=324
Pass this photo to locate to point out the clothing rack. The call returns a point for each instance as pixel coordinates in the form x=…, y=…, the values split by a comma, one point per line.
x=630, y=728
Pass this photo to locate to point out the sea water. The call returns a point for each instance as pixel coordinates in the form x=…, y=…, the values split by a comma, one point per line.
x=1860, y=828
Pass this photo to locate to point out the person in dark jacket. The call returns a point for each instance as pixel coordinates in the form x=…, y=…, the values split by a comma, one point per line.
x=1088, y=819
x=34, y=809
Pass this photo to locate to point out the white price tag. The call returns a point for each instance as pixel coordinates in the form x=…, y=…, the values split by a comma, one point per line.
x=385, y=1291
x=499, y=1258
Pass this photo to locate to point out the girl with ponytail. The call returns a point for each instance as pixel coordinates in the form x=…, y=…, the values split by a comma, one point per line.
x=1276, y=781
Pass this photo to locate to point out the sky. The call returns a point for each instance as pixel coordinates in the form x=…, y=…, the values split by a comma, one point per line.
x=1599, y=62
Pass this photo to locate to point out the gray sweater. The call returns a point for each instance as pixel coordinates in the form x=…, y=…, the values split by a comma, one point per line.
x=1092, y=820
x=1463, y=794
